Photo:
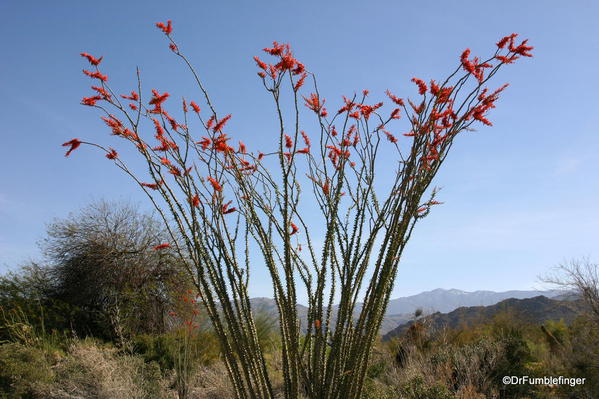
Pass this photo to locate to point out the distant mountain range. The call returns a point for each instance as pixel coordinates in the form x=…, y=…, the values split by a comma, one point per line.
x=444, y=301
x=401, y=310
x=536, y=310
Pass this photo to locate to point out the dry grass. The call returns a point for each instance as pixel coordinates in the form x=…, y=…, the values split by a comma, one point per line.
x=92, y=371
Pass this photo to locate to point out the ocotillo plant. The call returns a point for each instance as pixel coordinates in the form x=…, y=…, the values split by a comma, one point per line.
x=226, y=205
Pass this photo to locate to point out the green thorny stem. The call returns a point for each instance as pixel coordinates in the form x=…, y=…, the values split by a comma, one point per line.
x=365, y=232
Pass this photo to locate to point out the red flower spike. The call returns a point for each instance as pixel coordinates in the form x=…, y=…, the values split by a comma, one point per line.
x=466, y=63
x=260, y=156
x=106, y=95
x=210, y=122
x=158, y=98
x=242, y=148
x=226, y=210
x=505, y=40
x=260, y=63
x=112, y=154
x=294, y=229
x=366, y=110
x=162, y=246
x=288, y=142
x=314, y=102
x=195, y=201
x=133, y=107
x=272, y=71
x=306, y=138
x=215, y=184
x=219, y=126
x=522, y=49
x=167, y=29
x=395, y=99
x=173, y=47
x=132, y=97
x=417, y=109
x=73, y=144
x=300, y=82
x=153, y=186
x=390, y=137
x=422, y=89
x=92, y=60
x=90, y=101
x=276, y=50
x=174, y=171
x=195, y=107
x=96, y=75
x=287, y=62
x=205, y=142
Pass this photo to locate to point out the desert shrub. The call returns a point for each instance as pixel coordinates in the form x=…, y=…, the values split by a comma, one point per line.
x=418, y=388
x=163, y=348
x=91, y=370
x=21, y=370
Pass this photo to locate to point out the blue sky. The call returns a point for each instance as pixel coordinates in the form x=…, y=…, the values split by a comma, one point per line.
x=520, y=197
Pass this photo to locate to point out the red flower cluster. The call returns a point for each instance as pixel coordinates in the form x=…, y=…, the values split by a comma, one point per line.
x=133, y=97
x=162, y=246
x=153, y=186
x=112, y=154
x=315, y=104
x=96, y=75
x=226, y=210
x=91, y=101
x=286, y=63
x=92, y=60
x=474, y=67
x=157, y=101
x=165, y=144
x=486, y=102
x=294, y=229
x=167, y=29
x=195, y=107
x=390, y=137
x=215, y=184
x=221, y=123
x=421, y=85
x=366, y=110
x=288, y=142
x=514, y=51
x=73, y=144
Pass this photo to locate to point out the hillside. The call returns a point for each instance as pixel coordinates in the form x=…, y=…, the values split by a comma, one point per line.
x=400, y=310
x=534, y=310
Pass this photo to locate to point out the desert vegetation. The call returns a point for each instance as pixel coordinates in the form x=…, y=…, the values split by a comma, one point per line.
x=162, y=345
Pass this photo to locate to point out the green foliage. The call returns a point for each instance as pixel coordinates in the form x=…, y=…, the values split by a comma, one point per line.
x=164, y=348
x=22, y=369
